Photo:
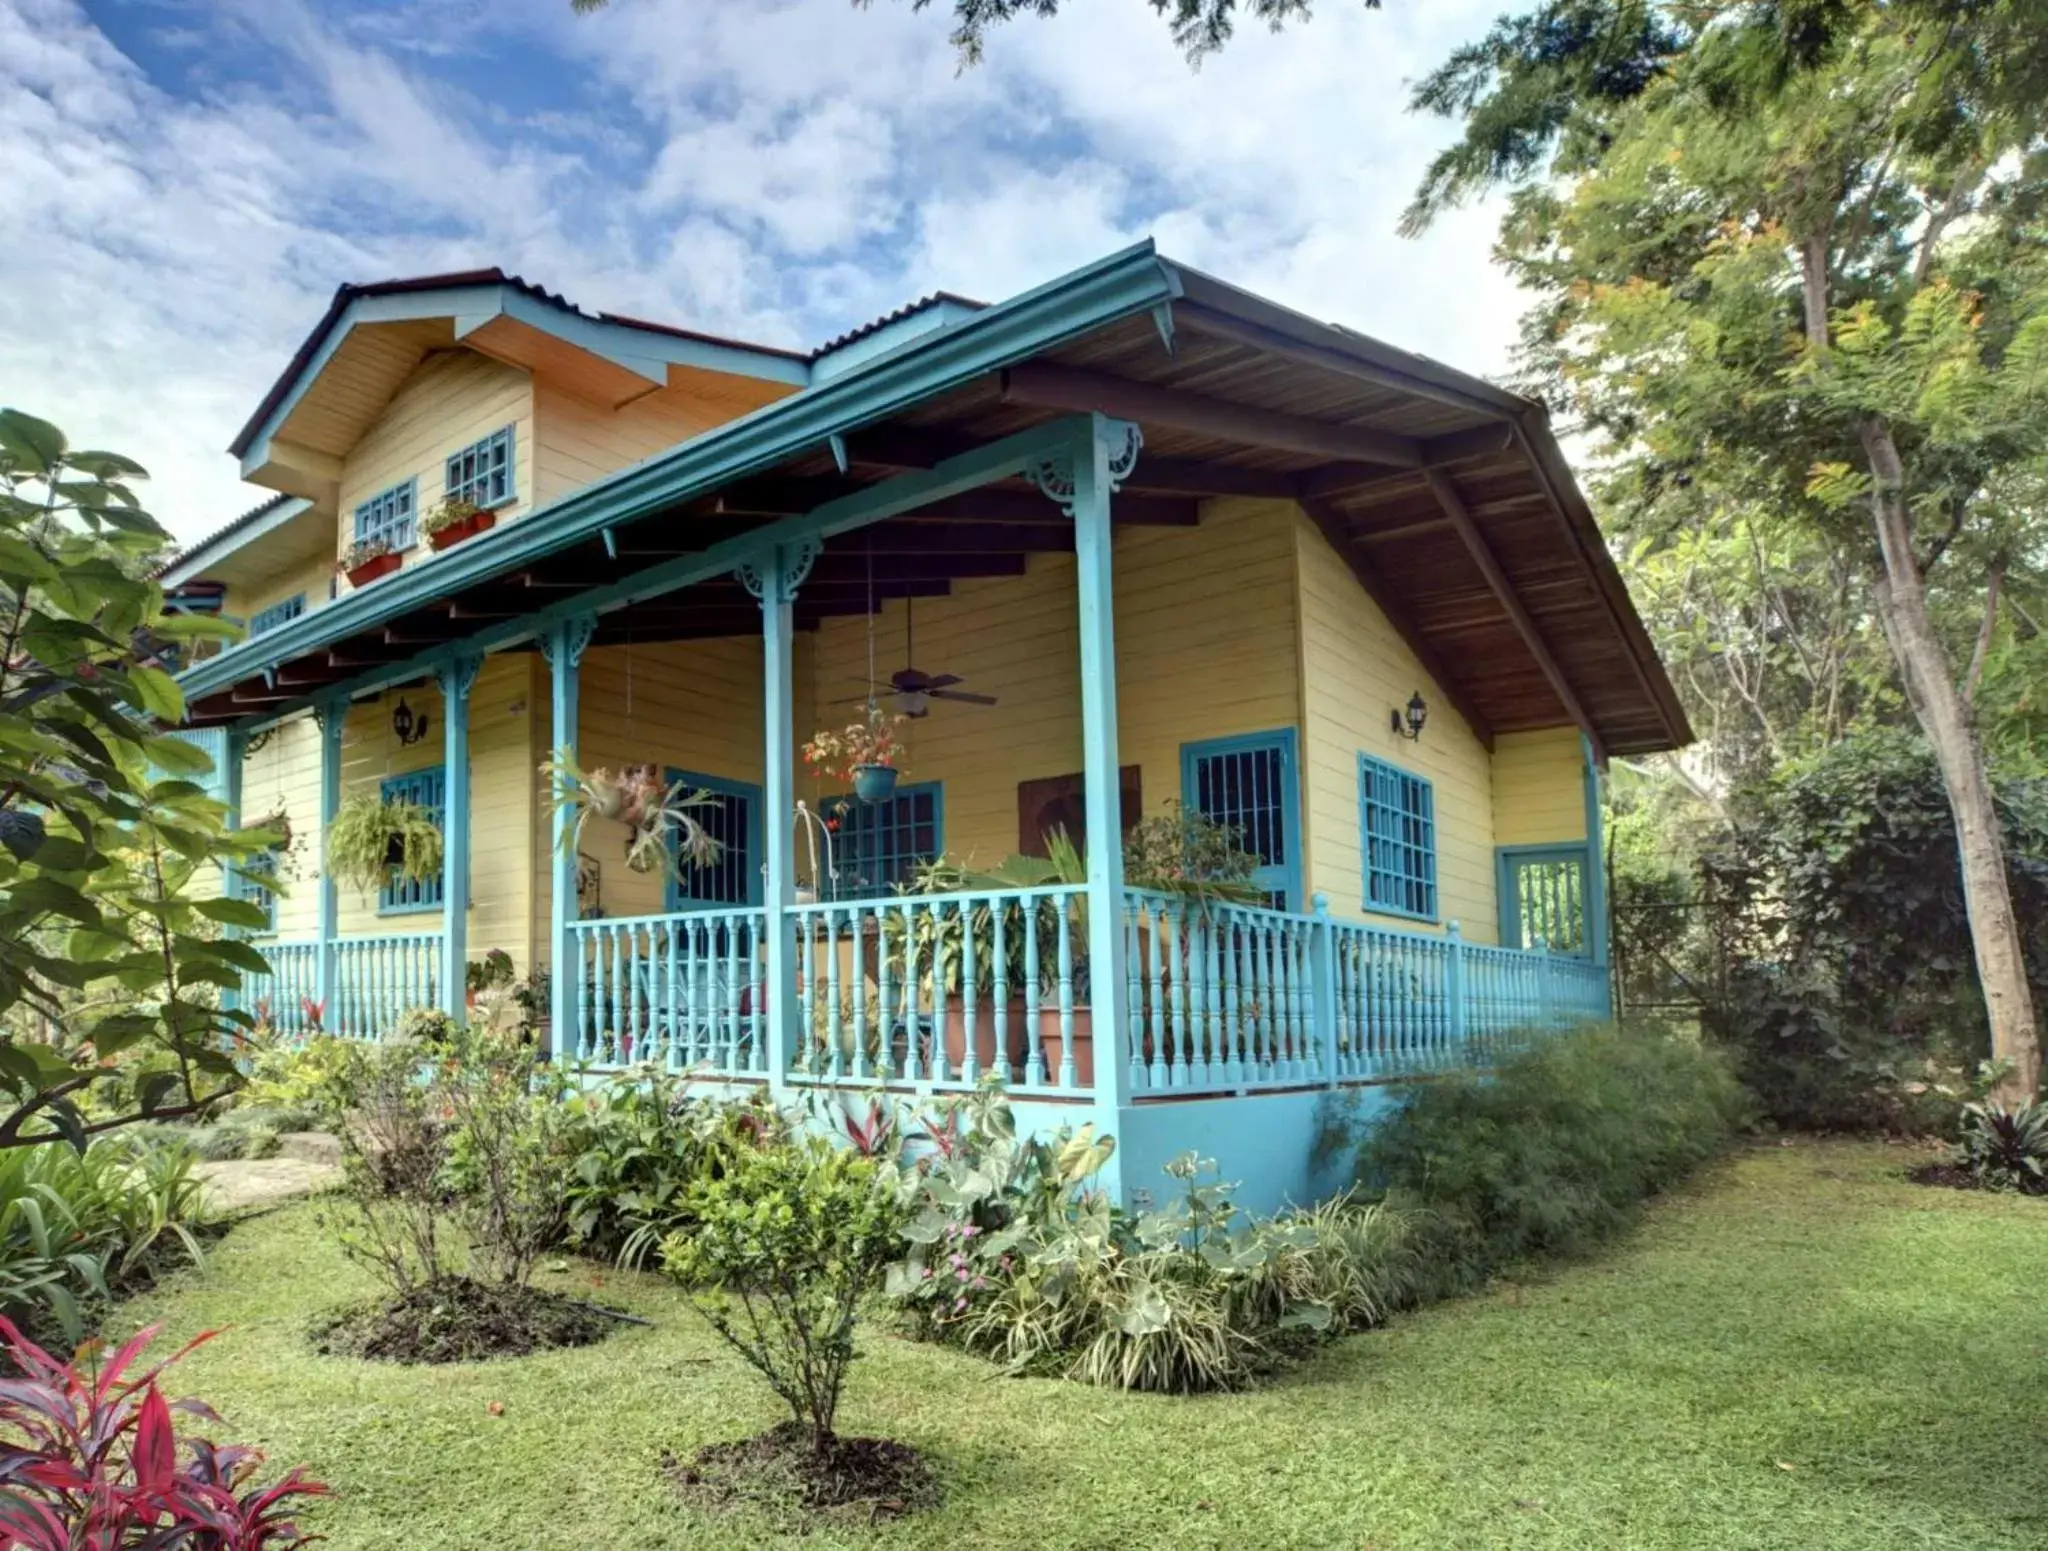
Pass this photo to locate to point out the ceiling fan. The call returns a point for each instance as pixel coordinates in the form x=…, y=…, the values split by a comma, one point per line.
x=911, y=690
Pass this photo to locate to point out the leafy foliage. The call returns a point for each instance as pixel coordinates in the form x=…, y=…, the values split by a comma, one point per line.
x=1850, y=999
x=636, y=1146
x=1552, y=1151
x=1012, y=1255
x=793, y=1234
x=78, y=1229
x=90, y=1463
x=2007, y=1148
x=105, y=952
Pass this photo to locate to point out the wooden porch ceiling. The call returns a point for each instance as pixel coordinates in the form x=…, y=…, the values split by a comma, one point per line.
x=1449, y=504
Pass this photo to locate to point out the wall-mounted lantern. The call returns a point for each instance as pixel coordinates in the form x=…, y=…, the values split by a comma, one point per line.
x=1409, y=724
x=407, y=727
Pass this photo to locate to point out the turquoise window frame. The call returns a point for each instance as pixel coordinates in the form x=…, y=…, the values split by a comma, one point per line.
x=392, y=514
x=409, y=897
x=1282, y=878
x=484, y=466
x=283, y=612
x=838, y=808
x=679, y=902
x=1509, y=862
x=1397, y=869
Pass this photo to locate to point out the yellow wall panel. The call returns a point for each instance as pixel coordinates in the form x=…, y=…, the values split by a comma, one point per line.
x=1539, y=787
x=311, y=577
x=1356, y=669
x=501, y=853
x=284, y=776
x=455, y=398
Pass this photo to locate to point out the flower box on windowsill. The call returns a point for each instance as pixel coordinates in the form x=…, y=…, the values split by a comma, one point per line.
x=469, y=527
x=370, y=570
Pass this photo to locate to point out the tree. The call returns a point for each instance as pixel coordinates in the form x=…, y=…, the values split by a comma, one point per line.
x=1791, y=255
x=1199, y=26
x=107, y=948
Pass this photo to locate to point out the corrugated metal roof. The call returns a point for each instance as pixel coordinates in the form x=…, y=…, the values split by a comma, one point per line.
x=907, y=310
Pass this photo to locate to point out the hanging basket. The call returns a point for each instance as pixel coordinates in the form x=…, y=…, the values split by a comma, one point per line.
x=874, y=783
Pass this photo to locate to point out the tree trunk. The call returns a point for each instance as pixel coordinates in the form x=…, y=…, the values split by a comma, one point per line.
x=1946, y=718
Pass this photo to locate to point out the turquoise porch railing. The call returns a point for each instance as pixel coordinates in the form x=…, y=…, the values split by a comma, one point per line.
x=377, y=980
x=293, y=982
x=1221, y=997
x=683, y=990
x=947, y=989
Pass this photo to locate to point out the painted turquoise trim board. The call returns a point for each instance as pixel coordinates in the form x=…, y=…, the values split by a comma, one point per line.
x=745, y=869
x=1397, y=840
x=456, y=682
x=332, y=716
x=1510, y=864
x=775, y=583
x=1283, y=877
x=1596, y=851
x=563, y=648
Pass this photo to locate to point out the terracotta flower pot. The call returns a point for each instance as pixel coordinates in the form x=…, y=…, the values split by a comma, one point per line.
x=370, y=570
x=469, y=527
x=1019, y=1035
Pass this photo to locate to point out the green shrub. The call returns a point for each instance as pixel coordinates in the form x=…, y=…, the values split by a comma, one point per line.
x=77, y=1229
x=1552, y=1151
x=298, y=1076
x=2006, y=1149
x=793, y=1233
x=636, y=1146
x=1013, y=1256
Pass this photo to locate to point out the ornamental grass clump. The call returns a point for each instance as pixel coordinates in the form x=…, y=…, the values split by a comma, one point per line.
x=1553, y=1150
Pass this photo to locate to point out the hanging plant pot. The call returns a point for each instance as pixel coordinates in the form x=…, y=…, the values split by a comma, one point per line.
x=366, y=573
x=874, y=783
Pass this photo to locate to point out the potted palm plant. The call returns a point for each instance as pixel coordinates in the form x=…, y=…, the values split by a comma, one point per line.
x=453, y=520
x=864, y=754
x=376, y=841
x=662, y=816
x=367, y=559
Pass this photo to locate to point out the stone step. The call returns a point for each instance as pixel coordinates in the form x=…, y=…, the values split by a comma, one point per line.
x=309, y=1147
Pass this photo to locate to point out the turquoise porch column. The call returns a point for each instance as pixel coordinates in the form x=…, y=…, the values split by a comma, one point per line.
x=456, y=680
x=563, y=647
x=1082, y=481
x=332, y=716
x=774, y=579
x=234, y=749
x=1597, y=923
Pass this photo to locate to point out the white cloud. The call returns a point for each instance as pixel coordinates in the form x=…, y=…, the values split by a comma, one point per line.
x=780, y=169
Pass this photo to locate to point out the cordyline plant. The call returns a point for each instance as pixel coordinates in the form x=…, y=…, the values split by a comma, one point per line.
x=89, y=1462
x=105, y=839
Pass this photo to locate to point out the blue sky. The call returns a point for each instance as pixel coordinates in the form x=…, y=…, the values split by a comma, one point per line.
x=188, y=180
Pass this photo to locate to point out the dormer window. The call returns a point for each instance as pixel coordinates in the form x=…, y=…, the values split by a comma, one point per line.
x=481, y=473
x=389, y=515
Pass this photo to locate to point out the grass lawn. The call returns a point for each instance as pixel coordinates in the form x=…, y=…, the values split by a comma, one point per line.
x=1805, y=1351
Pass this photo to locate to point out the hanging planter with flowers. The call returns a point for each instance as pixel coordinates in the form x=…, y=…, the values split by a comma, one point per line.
x=864, y=754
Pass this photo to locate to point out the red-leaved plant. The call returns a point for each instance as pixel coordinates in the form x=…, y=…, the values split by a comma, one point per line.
x=89, y=1462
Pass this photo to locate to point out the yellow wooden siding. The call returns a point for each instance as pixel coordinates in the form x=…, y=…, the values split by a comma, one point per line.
x=1539, y=787
x=310, y=577
x=1355, y=669
x=501, y=794
x=577, y=441
x=455, y=398
x=283, y=776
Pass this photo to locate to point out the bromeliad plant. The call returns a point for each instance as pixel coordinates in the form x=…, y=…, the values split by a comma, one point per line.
x=375, y=841
x=2006, y=1148
x=89, y=1462
x=666, y=832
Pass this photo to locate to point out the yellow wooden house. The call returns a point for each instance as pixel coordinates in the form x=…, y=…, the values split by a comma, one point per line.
x=1131, y=539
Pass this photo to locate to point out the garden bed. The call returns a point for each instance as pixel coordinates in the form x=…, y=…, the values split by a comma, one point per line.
x=459, y=1320
x=779, y=1476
